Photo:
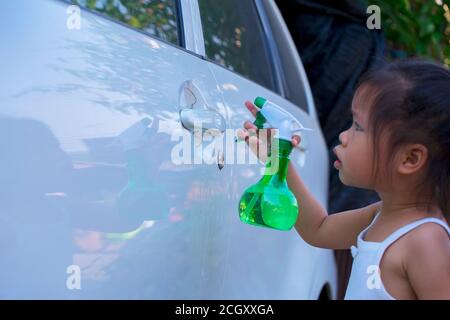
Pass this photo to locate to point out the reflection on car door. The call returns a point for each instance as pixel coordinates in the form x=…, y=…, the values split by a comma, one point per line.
x=92, y=197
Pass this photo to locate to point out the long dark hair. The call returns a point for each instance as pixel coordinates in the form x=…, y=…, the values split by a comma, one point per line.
x=412, y=102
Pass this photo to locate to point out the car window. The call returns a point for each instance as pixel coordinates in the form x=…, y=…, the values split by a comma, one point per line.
x=235, y=39
x=155, y=17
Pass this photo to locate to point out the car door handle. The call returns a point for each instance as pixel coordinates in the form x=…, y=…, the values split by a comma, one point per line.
x=195, y=113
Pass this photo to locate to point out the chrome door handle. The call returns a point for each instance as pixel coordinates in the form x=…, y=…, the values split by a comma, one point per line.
x=195, y=113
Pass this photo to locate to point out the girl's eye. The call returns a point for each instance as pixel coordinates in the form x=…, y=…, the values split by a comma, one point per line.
x=357, y=126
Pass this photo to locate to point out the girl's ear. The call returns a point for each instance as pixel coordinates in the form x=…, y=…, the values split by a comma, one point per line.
x=413, y=158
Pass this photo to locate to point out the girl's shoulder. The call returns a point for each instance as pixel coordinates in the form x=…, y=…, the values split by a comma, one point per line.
x=427, y=260
x=429, y=234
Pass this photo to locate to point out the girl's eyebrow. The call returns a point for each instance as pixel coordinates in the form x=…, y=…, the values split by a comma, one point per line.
x=355, y=114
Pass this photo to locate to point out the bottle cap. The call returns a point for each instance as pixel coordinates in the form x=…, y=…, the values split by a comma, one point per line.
x=259, y=102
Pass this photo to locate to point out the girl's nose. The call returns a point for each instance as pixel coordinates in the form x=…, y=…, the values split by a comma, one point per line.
x=343, y=138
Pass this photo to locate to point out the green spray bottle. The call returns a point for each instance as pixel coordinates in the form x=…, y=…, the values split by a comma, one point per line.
x=270, y=202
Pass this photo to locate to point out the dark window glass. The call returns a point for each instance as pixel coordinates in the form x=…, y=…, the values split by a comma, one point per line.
x=155, y=17
x=234, y=38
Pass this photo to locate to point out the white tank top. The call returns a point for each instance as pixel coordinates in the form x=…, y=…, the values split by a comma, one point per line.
x=365, y=281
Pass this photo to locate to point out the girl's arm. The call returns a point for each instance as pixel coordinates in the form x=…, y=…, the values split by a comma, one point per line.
x=316, y=227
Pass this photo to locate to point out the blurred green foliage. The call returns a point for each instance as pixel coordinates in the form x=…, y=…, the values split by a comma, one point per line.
x=412, y=27
x=416, y=27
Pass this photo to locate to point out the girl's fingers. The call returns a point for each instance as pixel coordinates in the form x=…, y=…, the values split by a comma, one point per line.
x=249, y=125
x=296, y=140
x=253, y=144
x=251, y=107
x=252, y=132
x=258, y=148
x=242, y=134
x=246, y=134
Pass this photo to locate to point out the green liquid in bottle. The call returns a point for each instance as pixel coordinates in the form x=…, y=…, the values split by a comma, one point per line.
x=269, y=202
x=250, y=202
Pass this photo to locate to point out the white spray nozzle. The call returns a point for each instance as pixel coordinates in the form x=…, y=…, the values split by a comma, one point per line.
x=276, y=117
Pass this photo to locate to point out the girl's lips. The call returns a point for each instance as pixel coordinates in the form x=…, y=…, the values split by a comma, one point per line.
x=337, y=164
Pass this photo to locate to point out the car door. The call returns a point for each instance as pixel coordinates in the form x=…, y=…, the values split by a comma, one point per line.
x=246, y=60
x=105, y=192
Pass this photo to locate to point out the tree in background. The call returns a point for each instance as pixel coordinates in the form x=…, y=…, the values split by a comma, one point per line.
x=157, y=17
x=416, y=27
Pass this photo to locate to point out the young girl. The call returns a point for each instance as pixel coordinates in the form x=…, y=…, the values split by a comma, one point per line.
x=399, y=146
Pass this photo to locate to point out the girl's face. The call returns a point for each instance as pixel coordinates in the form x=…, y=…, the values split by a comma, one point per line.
x=355, y=153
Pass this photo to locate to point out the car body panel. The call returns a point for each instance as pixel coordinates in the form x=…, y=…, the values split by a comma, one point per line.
x=66, y=99
x=90, y=125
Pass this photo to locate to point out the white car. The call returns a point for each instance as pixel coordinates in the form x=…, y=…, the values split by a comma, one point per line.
x=103, y=194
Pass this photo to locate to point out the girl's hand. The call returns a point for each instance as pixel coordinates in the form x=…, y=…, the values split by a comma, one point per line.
x=259, y=139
